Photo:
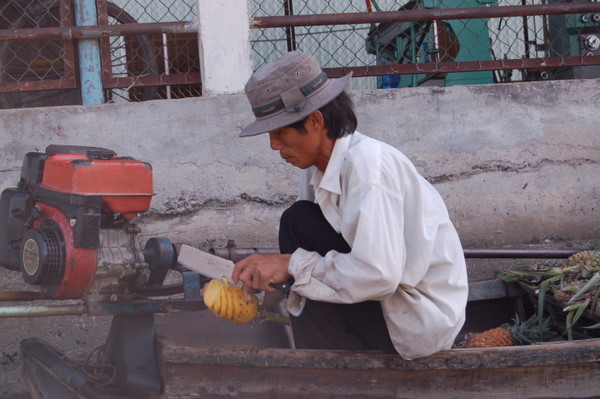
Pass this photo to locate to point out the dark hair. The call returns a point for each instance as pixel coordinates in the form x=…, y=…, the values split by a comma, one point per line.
x=338, y=115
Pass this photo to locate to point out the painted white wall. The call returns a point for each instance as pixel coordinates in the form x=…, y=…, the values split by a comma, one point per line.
x=224, y=40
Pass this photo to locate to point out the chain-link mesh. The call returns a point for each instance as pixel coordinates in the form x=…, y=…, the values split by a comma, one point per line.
x=333, y=46
x=431, y=42
x=44, y=72
x=172, y=57
x=49, y=63
x=517, y=38
x=135, y=67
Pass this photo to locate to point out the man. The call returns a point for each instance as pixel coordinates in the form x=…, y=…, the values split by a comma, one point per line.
x=373, y=258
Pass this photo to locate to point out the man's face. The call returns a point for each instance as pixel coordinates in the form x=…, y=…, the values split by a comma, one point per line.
x=301, y=149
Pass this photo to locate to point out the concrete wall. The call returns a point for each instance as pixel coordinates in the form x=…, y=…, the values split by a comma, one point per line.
x=516, y=163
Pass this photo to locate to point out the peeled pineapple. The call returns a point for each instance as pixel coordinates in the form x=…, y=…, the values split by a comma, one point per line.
x=228, y=302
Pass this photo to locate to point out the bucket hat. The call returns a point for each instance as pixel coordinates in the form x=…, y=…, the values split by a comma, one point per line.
x=288, y=90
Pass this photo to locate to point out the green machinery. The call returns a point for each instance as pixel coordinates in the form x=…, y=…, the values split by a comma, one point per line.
x=574, y=35
x=563, y=35
x=432, y=41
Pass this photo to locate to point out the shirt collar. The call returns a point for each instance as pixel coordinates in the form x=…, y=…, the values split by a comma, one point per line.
x=330, y=180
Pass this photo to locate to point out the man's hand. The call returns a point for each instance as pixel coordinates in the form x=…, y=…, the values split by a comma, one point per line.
x=258, y=271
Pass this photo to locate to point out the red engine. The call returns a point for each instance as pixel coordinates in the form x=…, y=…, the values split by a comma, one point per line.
x=68, y=224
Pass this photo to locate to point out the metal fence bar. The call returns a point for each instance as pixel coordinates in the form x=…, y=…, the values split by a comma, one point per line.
x=463, y=66
x=423, y=15
x=513, y=253
x=143, y=81
x=38, y=39
x=104, y=42
x=48, y=84
x=98, y=31
x=109, y=83
x=235, y=253
x=69, y=80
x=515, y=39
x=85, y=32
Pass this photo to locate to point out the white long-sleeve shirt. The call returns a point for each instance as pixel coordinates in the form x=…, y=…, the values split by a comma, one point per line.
x=405, y=250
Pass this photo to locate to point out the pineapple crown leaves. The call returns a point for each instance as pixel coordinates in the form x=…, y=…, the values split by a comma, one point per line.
x=577, y=305
x=542, y=289
x=581, y=265
x=278, y=318
x=535, y=273
x=595, y=326
x=592, y=283
x=530, y=331
x=574, y=313
x=573, y=283
x=576, y=284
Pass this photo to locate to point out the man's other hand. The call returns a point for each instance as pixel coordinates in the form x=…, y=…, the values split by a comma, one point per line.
x=258, y=271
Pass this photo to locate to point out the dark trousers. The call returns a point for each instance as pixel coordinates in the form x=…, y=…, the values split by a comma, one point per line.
x=323, y=325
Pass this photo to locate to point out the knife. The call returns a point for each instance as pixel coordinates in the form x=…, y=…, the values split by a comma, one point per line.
x=212, y=266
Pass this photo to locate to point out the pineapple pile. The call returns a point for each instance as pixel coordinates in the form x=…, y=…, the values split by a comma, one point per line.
x=228, y=302
x=574, y=284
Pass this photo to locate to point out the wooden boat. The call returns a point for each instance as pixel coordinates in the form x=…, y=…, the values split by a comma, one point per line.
x=556, y=370
x=196, y=355
x=559, y=369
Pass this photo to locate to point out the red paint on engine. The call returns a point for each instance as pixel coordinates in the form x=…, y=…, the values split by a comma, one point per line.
x=124, y=184
x=80, y=263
